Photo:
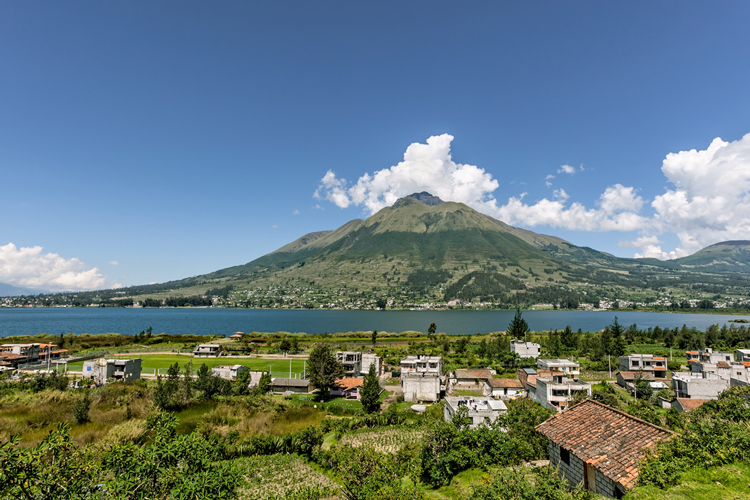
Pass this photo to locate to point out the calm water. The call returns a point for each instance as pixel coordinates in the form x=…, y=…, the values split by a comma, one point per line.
x=227, y=321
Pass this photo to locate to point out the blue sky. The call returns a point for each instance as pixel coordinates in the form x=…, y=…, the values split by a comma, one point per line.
x=149, y=141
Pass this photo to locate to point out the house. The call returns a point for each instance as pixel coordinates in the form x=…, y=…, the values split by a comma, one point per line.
x=556, y=392
x=349, y=388
x=236, y=336
x=525, y=349
x=29, y=351
x=50, y=351
x=644, y=363
x=705, y=386
x=599, y=447
x=352, y=362
x=742, y=355
x=228, y=372
x=684, y=405
x=204, y=350
x=432, y=365
x=368, y=359
x=103, y=370
x=692, y=356
x=722, y=369
x=472, y=380
x=708, y=355
x=421, y=378
x=564, y=365
x=480, y=410
x=626, y=379
x=11, y=359
x=503, y=388
x=296, y=385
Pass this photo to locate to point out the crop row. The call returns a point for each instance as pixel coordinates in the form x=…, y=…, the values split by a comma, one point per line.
x=276, y=477
x=383, y=440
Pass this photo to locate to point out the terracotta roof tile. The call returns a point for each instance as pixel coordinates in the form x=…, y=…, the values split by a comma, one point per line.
x=689, y=404
x=723, y=364
x=510, y=383
x=10, y=355
x=346, y=384
x=610, y=439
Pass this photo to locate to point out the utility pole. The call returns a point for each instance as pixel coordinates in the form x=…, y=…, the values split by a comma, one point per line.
x=609, y=362
x=304, y=368
x=290, y=367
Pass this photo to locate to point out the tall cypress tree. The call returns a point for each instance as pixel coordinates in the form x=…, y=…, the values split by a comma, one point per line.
x=371, y=391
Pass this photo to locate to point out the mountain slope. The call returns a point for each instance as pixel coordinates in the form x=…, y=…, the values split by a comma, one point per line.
x=728, y=256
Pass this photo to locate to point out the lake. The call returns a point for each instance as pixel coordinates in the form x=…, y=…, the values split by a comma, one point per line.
x=226, y=321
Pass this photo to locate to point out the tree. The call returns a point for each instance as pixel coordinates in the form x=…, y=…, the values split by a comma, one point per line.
x=432, y=329
x=324, y=369
x=285, y=345
x=240, y=386
x=81, y=408
x=374, y=336
x=263, y=384
x=518, y=328
x=371, y=391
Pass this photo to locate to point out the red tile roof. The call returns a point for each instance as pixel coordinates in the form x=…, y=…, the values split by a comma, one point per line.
x=10, y=355
x=746, y=363
x=689, y=404
x=723, y=364
x=609, y=439
x=510, y=383
x=346, y=384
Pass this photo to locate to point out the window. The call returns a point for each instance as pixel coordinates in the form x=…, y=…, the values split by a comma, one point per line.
x=565, y=456
x=635, y=363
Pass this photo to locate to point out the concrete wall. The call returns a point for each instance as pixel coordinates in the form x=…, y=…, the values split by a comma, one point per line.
x=418, y=388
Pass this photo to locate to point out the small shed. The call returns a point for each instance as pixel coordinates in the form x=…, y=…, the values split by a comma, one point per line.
x=684, y=405
x=295, y=385
x=600, y=447
x=503, y=387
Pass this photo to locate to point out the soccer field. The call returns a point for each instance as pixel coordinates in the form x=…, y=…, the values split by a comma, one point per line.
x=150, y=363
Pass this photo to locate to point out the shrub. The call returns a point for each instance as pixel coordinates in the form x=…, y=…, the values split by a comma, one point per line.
x=81, y=408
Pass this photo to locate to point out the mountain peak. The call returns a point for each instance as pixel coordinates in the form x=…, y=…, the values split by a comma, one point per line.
x=424, y=197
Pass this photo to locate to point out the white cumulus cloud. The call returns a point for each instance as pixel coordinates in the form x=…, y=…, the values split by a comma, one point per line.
x=28, y=267
x=707, y=199
x=566, y=169
x=426, y=167
x=710, y=201
x=430, y=167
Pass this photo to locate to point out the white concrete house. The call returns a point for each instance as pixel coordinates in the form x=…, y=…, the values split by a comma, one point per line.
x=481, y=410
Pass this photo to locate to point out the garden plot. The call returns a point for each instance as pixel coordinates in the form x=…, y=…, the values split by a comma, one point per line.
x=384, y=440
x=278, y=477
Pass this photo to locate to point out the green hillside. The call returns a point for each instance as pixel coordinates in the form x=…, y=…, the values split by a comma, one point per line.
x=728, y=256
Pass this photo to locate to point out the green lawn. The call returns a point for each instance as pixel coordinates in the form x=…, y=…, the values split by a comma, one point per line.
x=152, y=362
x=727, y=482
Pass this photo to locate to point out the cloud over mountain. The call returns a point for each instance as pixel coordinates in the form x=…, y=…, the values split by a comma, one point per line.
x=430, y=167
x=709, y=201
x=28, y=267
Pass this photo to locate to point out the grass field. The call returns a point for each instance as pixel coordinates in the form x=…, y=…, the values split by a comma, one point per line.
x=152, y=362
x=727, y=482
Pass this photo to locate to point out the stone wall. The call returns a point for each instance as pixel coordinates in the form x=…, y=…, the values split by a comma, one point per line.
x=573, y=473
